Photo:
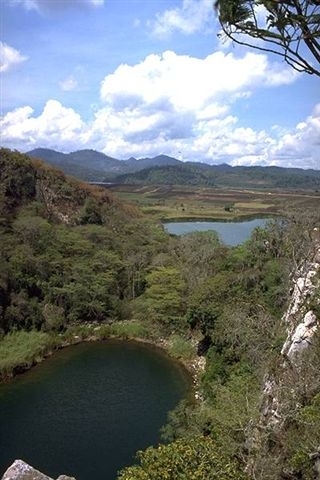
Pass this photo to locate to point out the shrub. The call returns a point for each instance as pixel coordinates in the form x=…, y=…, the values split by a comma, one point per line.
x=181, y=348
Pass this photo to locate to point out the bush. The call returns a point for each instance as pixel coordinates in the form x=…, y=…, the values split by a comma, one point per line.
x=195, y=458
x=181, y=348
x=128, y=329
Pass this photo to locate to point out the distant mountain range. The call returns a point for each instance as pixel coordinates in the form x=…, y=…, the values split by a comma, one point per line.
x=93, y=166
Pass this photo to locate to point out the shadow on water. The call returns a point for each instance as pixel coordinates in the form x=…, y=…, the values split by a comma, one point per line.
x=87, y=410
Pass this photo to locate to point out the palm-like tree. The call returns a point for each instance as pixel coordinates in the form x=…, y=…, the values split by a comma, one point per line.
x=289, y=28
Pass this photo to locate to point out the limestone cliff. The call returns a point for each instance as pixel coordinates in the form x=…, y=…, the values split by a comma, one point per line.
x=301, y=324
x=20, y=470
x=293, y=379
x=300, y=321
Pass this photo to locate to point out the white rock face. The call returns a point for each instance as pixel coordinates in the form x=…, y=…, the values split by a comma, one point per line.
x=300, y=322
x=302, y=335
x=20, y=470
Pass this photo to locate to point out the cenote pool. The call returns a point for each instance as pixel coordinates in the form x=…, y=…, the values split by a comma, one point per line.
x=231, y=233
x=89, y=408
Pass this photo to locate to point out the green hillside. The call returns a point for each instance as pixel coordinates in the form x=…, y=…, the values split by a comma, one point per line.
x=65, y=248
x=93, y=166
x=225, y=177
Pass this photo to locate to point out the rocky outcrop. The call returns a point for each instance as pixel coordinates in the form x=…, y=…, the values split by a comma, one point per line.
x=301, y=337
x=300, y=321
x=301, y=324
x=294, y=376
x=20, y=470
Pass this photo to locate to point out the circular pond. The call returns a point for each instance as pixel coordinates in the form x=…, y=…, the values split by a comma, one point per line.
x=89, y=408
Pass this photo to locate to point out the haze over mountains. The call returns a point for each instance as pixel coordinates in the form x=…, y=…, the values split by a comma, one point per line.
x=93, y=166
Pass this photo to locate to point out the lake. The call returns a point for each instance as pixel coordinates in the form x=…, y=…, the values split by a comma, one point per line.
x=231, y=233
x=89, y=408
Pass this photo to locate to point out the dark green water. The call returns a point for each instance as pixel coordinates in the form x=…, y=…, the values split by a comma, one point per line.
x=87, y=410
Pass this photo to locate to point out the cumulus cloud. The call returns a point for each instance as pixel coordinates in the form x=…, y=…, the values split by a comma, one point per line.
x=300, y=146
x=193, y=16
x=188, y=82
x=152, y=101
x=149, y=108
x=9, y=57
x=55, y=127
x=55, y=5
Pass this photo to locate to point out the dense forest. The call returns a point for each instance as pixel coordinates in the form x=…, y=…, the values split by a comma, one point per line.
x=224, y=176
x=73, y=255
x=94, y=166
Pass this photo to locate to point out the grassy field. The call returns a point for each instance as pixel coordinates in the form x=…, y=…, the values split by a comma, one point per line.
x=20, y=350
x=179, y=203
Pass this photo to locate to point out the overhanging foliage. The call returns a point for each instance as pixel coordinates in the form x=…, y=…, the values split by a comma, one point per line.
x=287, y=28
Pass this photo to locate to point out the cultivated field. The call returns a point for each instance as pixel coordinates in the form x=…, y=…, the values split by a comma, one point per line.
x=179, y=203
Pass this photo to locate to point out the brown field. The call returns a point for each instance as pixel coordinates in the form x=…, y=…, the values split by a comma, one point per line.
x=179, y=203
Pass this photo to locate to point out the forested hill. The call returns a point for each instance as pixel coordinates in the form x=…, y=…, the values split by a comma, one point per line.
x=225, y=176
x=93, y=166
x=67, y=251
x=30, y=183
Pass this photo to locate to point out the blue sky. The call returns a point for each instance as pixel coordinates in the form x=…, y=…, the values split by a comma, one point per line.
x=147, y=77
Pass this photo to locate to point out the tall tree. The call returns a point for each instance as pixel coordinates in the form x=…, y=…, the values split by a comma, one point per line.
x=289, y=28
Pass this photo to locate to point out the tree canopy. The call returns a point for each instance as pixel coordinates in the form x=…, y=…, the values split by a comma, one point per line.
x=288, y=28
x=193, y=458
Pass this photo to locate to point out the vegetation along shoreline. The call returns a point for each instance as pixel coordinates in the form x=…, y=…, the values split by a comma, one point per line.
x=80, y=263
x=93, y=332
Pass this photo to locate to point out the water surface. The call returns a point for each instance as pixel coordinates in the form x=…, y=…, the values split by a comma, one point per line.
x=231, y=233
x=88, y=409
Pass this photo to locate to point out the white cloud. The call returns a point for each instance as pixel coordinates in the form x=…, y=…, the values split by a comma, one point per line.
x=193, y=16
x=68, y=84
x=151, y=106
x=176, y=105
x=301, y=146
x=188, y=82
x=178, y=102
x=9, y=57
x=55, y=126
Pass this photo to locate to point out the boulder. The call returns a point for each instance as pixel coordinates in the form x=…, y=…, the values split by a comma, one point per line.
x=302, y=336
x=20, y=470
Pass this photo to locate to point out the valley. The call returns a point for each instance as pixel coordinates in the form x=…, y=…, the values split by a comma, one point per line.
x=172, y=202
x=80, y=262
